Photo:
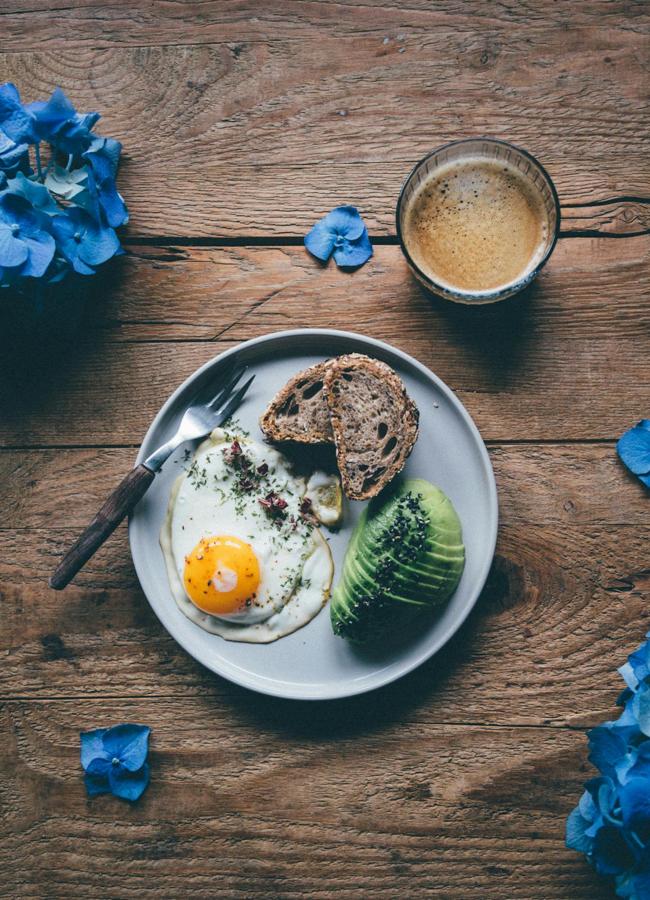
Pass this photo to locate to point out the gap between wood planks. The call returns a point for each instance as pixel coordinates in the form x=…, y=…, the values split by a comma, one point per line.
x=390, y=240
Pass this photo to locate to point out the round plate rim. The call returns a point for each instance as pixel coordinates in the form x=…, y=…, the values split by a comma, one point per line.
x=259, y=683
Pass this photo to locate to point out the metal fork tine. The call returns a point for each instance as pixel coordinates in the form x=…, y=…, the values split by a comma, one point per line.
x=226, y=390
x=235, y=400
x=195, y=399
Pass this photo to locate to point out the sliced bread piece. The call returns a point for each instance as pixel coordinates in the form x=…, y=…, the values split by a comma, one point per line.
x=375, y=423
x=299, y=412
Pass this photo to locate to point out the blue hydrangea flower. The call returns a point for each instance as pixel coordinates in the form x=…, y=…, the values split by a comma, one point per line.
x=115, y=760
x=83, y=241
x=611, y=823
x=634, y=450
x=26, y=245
x=103, y=157
x=57, y=122
x=342, y=234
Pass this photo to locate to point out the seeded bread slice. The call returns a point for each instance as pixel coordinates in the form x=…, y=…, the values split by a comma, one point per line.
x=299, y=412
x=375, y=423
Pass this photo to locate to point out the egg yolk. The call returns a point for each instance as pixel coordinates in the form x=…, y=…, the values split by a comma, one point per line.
x=221, y=575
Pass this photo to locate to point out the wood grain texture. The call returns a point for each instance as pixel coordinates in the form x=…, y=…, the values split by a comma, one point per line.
x=565, y=361
x=279, y=802
x=227, y=110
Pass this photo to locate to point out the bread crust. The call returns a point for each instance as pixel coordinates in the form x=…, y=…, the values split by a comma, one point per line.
x=380, y=467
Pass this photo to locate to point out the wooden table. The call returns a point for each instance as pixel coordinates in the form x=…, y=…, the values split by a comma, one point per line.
x=242, y=123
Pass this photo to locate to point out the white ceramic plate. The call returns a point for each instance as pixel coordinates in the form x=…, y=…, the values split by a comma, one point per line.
x=312, y=663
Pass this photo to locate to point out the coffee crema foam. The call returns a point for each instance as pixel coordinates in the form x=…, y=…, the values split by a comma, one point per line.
x=476, y=225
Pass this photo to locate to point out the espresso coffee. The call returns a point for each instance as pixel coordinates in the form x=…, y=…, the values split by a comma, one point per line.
x=476, y=225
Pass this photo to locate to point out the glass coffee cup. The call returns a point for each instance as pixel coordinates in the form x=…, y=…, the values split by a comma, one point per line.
x=477, y=220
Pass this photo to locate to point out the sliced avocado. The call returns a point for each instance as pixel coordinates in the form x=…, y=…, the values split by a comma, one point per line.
x=404, y=560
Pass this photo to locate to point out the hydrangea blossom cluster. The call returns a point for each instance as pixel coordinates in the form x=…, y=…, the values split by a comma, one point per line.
x=611, y=823
x=59, y=206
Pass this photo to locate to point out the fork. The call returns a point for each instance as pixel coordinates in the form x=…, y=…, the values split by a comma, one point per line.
x=198, y=420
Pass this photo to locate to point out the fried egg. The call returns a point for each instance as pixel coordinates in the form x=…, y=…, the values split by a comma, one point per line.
x=244, y=556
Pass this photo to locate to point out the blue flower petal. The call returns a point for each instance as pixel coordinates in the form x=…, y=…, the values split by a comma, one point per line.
x=576, y=837
x=92, y=745
x=344, y=221
x=13, y=251
x=41, y=254
x=129, y=743
x=352, y=254
x=98, y=246
x=96, y=784
x=128, y=785
x=100, y=766
x=320, y=241
x=634, y=448
x=15, y=121
x=607, y=748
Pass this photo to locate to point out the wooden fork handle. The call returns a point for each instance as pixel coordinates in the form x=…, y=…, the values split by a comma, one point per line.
x=118, y=505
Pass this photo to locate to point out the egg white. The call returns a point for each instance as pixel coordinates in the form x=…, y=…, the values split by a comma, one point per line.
x=296, y=567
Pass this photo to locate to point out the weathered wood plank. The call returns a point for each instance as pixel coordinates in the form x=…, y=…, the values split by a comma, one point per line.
x=614, y=218
x=243, y=121
x=572, y=484
x=565, y=362
x=563, y=606
x=272, y=800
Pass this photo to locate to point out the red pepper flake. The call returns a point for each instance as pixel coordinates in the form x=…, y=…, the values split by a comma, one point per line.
x=263, y=469
x=274, y=505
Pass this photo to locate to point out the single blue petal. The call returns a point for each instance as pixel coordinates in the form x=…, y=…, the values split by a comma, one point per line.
x=92, y=745
x=100, y=766
x=81, y=268
x=41, y=253
x=344, y=221
x=53, y=112
x=352, y=254
x=320, y=241
x=129, y=744
x=98, y=246
x=96, y=784
x=587, y=807
x=576, y=837
x=128, y=785
x=13, y=251
x=15, y=121
x=606, y=749
x=634, y=448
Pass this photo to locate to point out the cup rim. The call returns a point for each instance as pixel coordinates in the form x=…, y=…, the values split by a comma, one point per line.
x=495, y=294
